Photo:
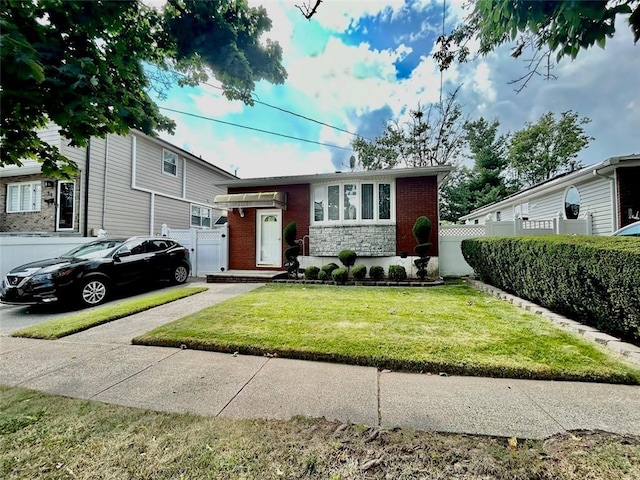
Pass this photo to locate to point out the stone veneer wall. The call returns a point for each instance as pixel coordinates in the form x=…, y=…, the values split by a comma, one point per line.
x=365, y=240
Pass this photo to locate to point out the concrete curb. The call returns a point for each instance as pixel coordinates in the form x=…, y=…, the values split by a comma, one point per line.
x=629, y=351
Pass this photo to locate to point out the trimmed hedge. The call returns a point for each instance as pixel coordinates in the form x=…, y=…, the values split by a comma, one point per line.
x=376, y=272
x=340, y=275
x=595, y=280
x=397, y=273
x=359, y=272
x=311, y=273
x=328, y=268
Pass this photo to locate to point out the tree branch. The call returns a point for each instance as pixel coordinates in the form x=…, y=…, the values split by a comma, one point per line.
x=307, y=11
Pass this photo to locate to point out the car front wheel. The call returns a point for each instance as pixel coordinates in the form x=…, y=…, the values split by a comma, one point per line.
x=94, y=291
x=180, y=273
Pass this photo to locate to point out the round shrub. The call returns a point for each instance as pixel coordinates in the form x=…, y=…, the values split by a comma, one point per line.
x=290, y=233
x=322, y=275
x=329, y=267
x=311, y=273
x=340, y=275
x=359, y=272
x=397, y=273
x=422, y=229
x=376, y=272
x=348, y=258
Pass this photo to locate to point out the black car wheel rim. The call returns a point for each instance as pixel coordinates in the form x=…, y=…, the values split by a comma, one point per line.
x=180, y=274
x=94, y=292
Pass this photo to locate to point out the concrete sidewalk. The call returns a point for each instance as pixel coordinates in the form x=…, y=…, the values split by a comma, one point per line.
x=101, y=364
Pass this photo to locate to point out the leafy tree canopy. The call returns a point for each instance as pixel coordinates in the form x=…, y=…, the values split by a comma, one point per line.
x=549, y=27
x=432, y=136
x=84, y=66
x=548, y=147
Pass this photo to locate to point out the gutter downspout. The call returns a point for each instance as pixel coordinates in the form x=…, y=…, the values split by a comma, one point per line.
x=104, y=185
x=86, y=189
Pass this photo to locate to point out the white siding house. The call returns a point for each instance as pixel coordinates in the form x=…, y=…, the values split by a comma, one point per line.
x=607, y=192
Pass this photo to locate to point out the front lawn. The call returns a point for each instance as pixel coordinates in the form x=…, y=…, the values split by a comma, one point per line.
x=452, y=329
x=86, y=319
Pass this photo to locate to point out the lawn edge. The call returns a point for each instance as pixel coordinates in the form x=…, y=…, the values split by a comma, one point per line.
x=25, y=332
x=411, y=366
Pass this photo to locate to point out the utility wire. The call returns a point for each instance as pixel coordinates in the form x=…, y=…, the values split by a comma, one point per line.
x=284, y=110
x=254, y=129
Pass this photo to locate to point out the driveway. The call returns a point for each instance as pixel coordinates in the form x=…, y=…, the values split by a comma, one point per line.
x=16, y=317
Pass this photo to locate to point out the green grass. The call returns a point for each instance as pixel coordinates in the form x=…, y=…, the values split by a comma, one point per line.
x=84, y=320
x=452, y=329
x=43, y=436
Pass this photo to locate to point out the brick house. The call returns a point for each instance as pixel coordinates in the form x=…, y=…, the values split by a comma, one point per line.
x=370, y=212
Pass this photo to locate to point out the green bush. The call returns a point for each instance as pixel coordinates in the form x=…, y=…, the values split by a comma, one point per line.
x=595, y=280
x=329, y=267
x=397, y=273
x=421, y=231
x=359, y=272
x=340, y=275
x=311, y=273
x=376, y=273
x=324, y=276
x=348, y=258
x=290, y=233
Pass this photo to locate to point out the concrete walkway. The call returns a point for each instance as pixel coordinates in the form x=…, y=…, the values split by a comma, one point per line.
x=101, y=364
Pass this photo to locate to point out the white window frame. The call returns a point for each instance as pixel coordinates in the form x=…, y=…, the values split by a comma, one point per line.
x=201, y=207
x=358, y=200
x=173, y=162
x=35, y=194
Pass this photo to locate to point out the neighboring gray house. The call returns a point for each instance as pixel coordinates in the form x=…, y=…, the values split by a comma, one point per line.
x=127, y=185
x=608, y=192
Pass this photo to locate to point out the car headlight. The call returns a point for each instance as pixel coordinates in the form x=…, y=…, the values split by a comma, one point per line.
x=42, y=278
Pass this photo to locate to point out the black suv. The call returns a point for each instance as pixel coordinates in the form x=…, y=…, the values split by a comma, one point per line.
x=89, y=273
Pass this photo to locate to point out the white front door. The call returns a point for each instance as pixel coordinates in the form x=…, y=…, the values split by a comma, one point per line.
x=269, y=238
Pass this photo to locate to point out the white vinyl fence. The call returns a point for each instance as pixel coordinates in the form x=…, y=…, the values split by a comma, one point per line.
x=18, y=250
x=450, y=259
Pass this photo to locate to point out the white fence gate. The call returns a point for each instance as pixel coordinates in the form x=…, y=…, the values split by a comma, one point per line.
x=451, y=263
x=209, y=248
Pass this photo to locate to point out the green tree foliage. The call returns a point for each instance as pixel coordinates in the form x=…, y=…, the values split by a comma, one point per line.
x=548, y=147
x=433, y=136
x=468, y=189
x=86, y=66
x=546, y=27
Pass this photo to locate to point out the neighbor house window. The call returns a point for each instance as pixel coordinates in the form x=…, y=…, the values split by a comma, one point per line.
x=200, y=216
x=522, y=211
x=24, y=197
x=169, y=163
x=498, y=216
x=572, y=203
x=350, y=202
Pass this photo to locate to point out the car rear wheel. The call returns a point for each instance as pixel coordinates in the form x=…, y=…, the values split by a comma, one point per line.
x=94, y=291
x=180, y=273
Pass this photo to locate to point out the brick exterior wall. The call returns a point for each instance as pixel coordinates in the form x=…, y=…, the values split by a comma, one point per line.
x=628, y=194
x=242, y=230
x=415, y=197
x=42, y=221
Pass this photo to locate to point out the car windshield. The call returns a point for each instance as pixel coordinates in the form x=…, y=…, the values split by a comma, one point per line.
x=94, y=249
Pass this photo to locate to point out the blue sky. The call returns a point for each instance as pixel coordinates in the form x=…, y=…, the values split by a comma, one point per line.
x=357, y=64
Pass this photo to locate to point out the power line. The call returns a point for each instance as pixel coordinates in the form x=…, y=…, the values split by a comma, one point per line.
x=254, y=129
x=299, y=115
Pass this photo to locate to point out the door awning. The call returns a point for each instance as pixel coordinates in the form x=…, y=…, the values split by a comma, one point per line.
x=251, y=200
